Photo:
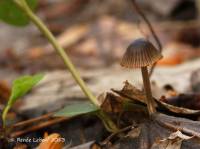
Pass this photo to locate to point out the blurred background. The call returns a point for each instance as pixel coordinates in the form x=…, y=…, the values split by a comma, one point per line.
x=96, y=32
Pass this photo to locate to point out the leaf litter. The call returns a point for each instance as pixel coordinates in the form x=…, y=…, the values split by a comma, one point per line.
x=159, y=131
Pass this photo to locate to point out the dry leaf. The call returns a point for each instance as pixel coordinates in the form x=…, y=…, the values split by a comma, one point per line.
x=134, y=133
x=110, y=102
x=174, y=141
x=176, y=109
x=190, y=101
x=131, y=92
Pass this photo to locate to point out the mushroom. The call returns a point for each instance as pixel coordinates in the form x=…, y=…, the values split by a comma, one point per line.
x=140, y=54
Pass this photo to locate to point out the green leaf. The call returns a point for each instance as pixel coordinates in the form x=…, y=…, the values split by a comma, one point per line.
x=77, y=108
x=22, y=85
x=19, y=88
x=11, y=14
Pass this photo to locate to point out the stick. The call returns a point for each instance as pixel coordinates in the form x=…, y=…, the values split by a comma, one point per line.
x=182, y=129
x=38, y=126
x=30, y=121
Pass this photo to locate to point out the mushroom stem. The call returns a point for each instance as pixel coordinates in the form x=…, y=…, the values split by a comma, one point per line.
x=147, y=88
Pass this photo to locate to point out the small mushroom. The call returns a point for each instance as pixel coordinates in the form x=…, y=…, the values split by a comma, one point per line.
x=140, y=54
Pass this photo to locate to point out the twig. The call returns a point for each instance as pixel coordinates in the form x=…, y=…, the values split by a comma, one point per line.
x=175, y=128
x=33, y=120
x=142, y=31
x=38, y=126
x=113, y=134
x=142, y=15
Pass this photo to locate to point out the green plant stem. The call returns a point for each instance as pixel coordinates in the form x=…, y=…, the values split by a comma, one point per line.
x=5, y=111
x=105, y=118
x=23, y=5
x=108, y=123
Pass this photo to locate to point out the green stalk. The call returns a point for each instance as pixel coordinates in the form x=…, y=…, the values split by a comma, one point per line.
x=23, y=5
x=110, y=125
x=5, y=111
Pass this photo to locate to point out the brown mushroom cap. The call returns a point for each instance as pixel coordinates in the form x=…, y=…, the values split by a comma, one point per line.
x=140, y=53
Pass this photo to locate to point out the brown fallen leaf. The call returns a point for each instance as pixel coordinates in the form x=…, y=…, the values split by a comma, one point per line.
x=175, y=109
x=53, y=141
x=174, y=141
x=159, y=127
x=190, y=101
x=132, y=93
x=134, y=132
x=111, y=103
